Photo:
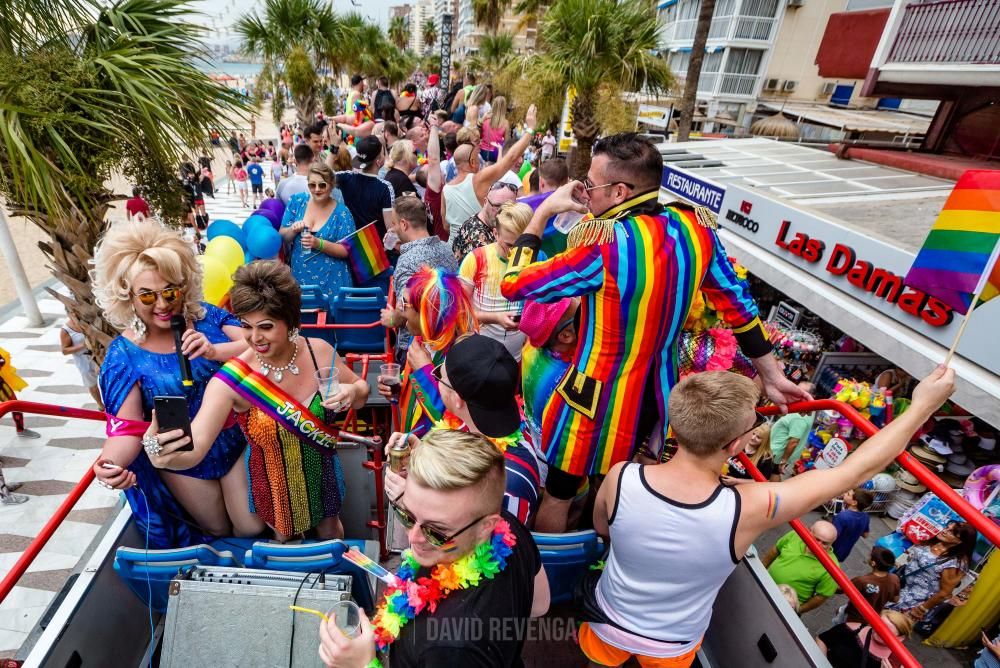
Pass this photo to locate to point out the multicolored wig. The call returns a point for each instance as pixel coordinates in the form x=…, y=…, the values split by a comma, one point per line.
x=445, y=311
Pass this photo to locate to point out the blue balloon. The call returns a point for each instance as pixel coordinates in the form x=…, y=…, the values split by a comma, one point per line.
x=263, y=242
x=253, y=221
x=227, y=228
x=271, y=216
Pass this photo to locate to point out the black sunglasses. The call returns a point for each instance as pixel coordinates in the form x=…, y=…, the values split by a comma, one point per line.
x=433, y=536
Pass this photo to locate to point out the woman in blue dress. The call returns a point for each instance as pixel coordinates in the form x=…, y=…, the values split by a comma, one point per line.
x=313, y=224
x=144, y=275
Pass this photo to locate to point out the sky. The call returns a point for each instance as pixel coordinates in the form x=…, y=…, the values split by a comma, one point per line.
x=225, y=12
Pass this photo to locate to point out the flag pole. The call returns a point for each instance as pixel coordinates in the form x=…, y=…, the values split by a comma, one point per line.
x=983, y=280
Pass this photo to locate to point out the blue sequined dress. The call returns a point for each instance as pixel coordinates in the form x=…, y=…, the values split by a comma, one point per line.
x=313, y=267
x=158, y=374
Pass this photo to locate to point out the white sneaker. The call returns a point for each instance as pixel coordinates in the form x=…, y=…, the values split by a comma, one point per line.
x=14, y=499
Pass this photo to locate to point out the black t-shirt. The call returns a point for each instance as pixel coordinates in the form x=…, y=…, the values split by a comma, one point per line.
x=365, y=196
x=480, y=627
x=401, y=183
x=765, y=466
x=844, y=648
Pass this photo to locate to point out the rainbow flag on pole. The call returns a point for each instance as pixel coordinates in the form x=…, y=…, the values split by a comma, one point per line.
x=959, y=257
x=365, y=254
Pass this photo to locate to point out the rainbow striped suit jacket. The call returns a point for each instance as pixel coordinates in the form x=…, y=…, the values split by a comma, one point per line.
x=636, y=290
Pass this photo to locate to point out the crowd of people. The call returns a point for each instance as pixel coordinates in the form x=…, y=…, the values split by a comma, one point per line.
x=535, y=375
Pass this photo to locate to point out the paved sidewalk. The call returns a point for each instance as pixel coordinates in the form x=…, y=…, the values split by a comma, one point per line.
x=51, y=465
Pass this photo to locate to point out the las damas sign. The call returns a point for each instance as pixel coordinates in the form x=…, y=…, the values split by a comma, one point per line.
x=862, y=266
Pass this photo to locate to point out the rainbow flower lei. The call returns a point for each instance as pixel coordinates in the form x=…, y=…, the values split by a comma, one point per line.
x=412, y=595
x=454, y=423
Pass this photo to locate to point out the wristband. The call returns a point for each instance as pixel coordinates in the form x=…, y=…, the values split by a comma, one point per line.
x=322, y=243
x=374, y=663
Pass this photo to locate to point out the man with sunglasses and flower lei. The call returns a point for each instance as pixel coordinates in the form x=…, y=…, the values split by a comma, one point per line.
x=637, y=268
x=471, y=578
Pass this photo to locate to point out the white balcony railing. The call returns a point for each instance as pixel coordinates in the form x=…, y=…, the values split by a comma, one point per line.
x=952, y=31
x=714, y=84
x=753, y=28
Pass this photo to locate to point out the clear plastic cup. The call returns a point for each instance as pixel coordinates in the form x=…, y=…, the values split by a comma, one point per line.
x=328, y=379
x=346, y=615
x=389, y=374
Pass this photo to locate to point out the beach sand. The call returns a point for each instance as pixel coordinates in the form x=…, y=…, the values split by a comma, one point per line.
x=27, y=235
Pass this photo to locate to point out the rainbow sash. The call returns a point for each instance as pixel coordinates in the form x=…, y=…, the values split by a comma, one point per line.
x=274, y=401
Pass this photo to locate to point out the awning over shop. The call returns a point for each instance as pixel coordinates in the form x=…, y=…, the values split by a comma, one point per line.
x=856, y=120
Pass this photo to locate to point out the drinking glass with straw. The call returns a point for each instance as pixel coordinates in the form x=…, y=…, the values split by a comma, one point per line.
x=346, y=616
x=328, y=380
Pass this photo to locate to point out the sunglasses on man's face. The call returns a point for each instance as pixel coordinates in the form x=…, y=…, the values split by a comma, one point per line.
x=434, y=536
x=148, y=297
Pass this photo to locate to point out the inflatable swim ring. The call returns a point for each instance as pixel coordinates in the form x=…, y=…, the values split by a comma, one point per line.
x=979, y=485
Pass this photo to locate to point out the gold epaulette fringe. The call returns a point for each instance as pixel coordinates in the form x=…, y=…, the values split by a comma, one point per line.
x=591, y=233
x=706, y=217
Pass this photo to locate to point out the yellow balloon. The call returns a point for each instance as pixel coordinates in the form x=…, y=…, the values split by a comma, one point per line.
x=216, y=279
x=228, y=250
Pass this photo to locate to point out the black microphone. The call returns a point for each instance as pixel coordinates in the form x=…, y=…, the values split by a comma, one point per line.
x=178, y=325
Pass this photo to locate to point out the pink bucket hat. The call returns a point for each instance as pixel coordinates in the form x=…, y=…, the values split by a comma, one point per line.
x=538, y=320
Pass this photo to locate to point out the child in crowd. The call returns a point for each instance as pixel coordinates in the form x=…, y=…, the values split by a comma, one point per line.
x=790, y=595
x=851, y=522
x=758, y=449
x=73, y=343
x=879, y=587
x=230, y=183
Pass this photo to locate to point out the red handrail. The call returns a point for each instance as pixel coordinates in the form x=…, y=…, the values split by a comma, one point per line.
x=933, y=483
x=36, y=545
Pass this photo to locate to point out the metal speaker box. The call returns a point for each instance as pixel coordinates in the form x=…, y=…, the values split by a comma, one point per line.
x=240, y=617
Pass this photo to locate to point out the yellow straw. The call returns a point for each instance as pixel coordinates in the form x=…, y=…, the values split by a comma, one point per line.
x=310, y=611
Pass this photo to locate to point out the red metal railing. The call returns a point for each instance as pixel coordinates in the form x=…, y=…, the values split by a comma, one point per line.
x=982, y=524
x=36, y=545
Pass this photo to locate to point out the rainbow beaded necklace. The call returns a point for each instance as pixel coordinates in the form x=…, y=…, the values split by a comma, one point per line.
x=412, y=595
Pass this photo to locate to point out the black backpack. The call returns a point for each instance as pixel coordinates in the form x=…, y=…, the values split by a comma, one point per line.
x=385, y=103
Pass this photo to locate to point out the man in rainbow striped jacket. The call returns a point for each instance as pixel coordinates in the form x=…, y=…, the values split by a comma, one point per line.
x=637, y=267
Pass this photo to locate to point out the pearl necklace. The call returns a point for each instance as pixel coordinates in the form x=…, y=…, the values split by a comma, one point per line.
x=279, y=371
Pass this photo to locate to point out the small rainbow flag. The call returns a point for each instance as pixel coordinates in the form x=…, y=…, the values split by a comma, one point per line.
x=365, y=254
x=958, y=254
x=363, y=561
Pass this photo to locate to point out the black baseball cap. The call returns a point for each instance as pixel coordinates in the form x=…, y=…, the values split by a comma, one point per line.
x=368, y=148
x=484, y=374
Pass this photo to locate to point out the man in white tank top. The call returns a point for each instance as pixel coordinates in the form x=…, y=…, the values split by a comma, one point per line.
x=657, y=590
x=463, y=196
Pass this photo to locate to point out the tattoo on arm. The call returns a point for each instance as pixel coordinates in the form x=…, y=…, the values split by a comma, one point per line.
x=773, y=499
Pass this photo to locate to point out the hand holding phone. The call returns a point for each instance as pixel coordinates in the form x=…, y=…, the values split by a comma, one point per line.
x=171, y=414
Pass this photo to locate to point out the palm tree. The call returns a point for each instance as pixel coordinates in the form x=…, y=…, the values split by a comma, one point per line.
x=399, y=32
x=612, y=48
x=89, y=89
x=430, y=35
x=495, y=52
x=690, y=97
x=294, y=37
x=488, y=13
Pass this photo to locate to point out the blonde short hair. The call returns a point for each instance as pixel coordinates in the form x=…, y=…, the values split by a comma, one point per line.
x=467, y=136
x=708, y=410
x=128, y=249
x=514, y=217
x=903, y=623
x=449, y=460
x=401, y=151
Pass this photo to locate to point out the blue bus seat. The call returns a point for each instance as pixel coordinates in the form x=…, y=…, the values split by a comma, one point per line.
x=323, y=556
x=359, y=306
x=146, y=571
x=567, y=557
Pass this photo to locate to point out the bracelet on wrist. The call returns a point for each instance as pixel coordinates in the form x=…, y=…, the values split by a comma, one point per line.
x=322, y=244
x=374, y=663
